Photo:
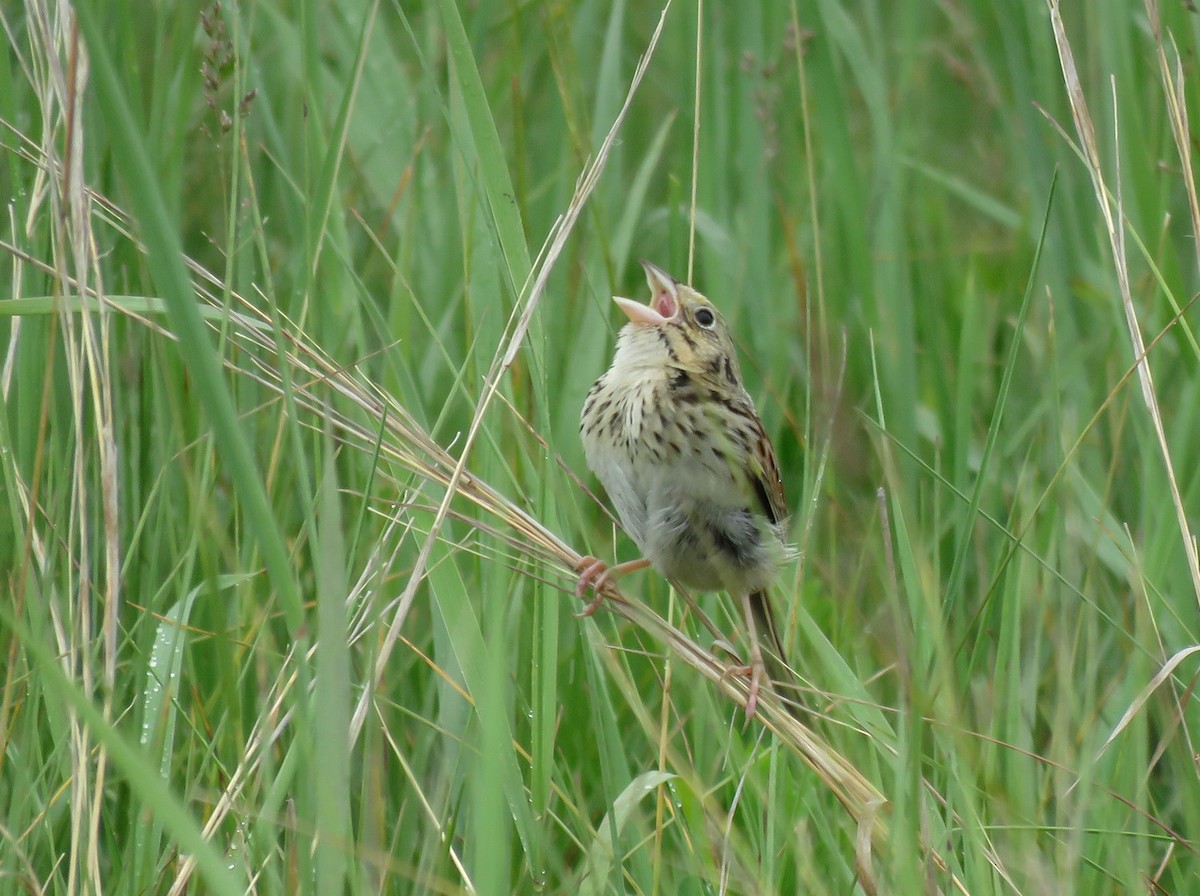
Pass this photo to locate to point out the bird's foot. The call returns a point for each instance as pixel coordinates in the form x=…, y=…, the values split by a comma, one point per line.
x=592, y=573
x=756, y=672
x=596, y=574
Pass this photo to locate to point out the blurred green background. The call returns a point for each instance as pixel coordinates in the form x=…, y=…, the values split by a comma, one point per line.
x=261, y=264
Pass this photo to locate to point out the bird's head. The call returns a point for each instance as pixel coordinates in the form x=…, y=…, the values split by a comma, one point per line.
x=688, y=327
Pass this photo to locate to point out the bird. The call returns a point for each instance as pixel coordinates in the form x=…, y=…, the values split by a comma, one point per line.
x=675, y=439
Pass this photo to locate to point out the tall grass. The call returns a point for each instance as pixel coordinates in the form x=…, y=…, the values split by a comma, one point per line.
x=299, y=307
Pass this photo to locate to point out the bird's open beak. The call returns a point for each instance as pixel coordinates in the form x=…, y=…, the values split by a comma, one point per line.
x=664, y=302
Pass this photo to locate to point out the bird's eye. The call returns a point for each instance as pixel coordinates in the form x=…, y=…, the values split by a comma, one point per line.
x=705, y=317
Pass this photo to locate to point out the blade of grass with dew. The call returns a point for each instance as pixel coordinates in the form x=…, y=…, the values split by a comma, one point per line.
x=136, y=767
x=159, y=718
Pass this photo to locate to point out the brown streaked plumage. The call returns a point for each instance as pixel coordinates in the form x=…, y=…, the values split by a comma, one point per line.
x=678, y=444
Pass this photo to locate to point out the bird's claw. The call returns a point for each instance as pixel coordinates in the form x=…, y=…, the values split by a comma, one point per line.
x=755, y=672
x=592, y=573
x=597, y=574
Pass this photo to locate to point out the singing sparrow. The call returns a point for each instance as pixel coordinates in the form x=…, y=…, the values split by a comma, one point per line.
x=674, y=437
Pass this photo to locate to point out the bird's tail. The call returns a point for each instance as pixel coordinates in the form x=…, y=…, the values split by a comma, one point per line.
x=774, y=658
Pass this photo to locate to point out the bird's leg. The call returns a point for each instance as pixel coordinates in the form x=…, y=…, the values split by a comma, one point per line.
x=596, y=574
x=757, y=669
